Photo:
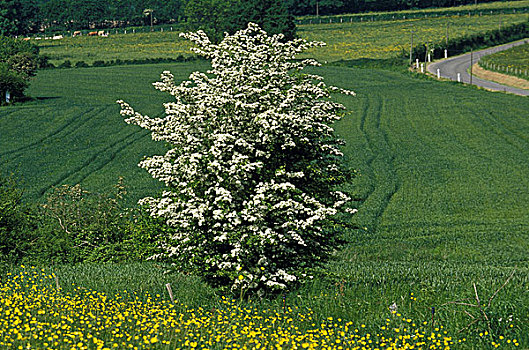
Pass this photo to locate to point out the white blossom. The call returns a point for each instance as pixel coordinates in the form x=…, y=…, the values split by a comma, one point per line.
x=247, y=137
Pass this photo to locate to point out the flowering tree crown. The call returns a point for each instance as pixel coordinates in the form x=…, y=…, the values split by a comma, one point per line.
x=251, y=174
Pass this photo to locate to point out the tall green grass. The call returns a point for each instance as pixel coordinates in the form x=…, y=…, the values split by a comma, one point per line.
x=443, y=194
x=72, y=132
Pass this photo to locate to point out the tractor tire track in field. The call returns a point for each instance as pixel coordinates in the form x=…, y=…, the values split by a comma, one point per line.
x=98, y=160
x=70, y=126
x=381, y=163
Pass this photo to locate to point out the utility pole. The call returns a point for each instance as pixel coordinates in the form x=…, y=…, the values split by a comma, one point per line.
x=447, y=24
x=148, y=12
x=411, y=47
x=471, y=60
x=317, y=8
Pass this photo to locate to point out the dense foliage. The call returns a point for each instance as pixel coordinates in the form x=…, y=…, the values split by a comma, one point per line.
x=251, y=174
x=18, y=17
x=74, y=226
x=18, y=63
x=330, y=7
x=218, y=16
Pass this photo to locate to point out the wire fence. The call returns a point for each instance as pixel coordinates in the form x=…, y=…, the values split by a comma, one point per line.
x=405, y=16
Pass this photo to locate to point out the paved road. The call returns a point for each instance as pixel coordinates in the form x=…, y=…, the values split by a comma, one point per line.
x=450, y=68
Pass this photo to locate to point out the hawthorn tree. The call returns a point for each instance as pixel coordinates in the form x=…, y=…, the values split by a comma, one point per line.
x=253, y=167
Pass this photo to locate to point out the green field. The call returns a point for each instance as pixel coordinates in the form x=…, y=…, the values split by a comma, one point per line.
x=385, y=39
x=72, y=131
x=379, y=39
x=443, y=192
x=116, y=46
x=514, y=61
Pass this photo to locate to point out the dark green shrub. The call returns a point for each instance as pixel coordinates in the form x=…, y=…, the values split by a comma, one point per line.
x=12, y=82
x=43, y=62
x=65, y=64
x=142, y=234
x=85, y=226
x=81, y=64
x=15, y=230
x=99, y=64
x=23, y=63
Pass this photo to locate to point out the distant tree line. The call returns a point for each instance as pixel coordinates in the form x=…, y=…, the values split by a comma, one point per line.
x=333, y=7
x=19, y=17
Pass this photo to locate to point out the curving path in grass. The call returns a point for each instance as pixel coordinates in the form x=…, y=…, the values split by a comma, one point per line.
x=450, y=68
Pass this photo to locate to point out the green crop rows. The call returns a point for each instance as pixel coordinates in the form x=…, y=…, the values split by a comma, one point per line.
x=443, y=191
x=443, y=195
x=73, y=132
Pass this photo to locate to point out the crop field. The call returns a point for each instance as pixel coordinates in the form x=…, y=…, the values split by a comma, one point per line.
x=73, y=132
x=386, y=39
x=379, y=39
x=443, y=202
x=116, y=46
x=514, y=61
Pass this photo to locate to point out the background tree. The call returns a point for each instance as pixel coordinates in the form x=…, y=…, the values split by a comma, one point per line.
x=18, y=63
x=253, y=167
x=211, y=16
x=216, y=17
x=18, y=17
x=271, y=15
x=57, y=13
x=8, y=23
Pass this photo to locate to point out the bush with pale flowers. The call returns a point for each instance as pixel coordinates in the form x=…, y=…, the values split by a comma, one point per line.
x=253, y=169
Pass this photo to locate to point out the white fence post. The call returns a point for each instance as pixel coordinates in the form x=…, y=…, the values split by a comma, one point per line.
x=416, y=63
x=446, y=53
x=438, y=73
x=8, y=97
x=422, y=67
x=458, y=77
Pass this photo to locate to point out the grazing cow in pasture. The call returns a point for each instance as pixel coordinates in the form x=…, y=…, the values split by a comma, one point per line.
x=57, y=37
x=101, y=33
x=92, y=34
x=77, y=32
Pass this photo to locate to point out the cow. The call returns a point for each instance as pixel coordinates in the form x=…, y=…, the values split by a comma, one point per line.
x=92, y=34
x=101, y=33
x=77, y=32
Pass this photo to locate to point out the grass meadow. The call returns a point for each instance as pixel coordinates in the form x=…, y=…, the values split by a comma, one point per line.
x=514, y=61
x=129, y=46
x=442, y=200
x=345, y=41
x=386, y=39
